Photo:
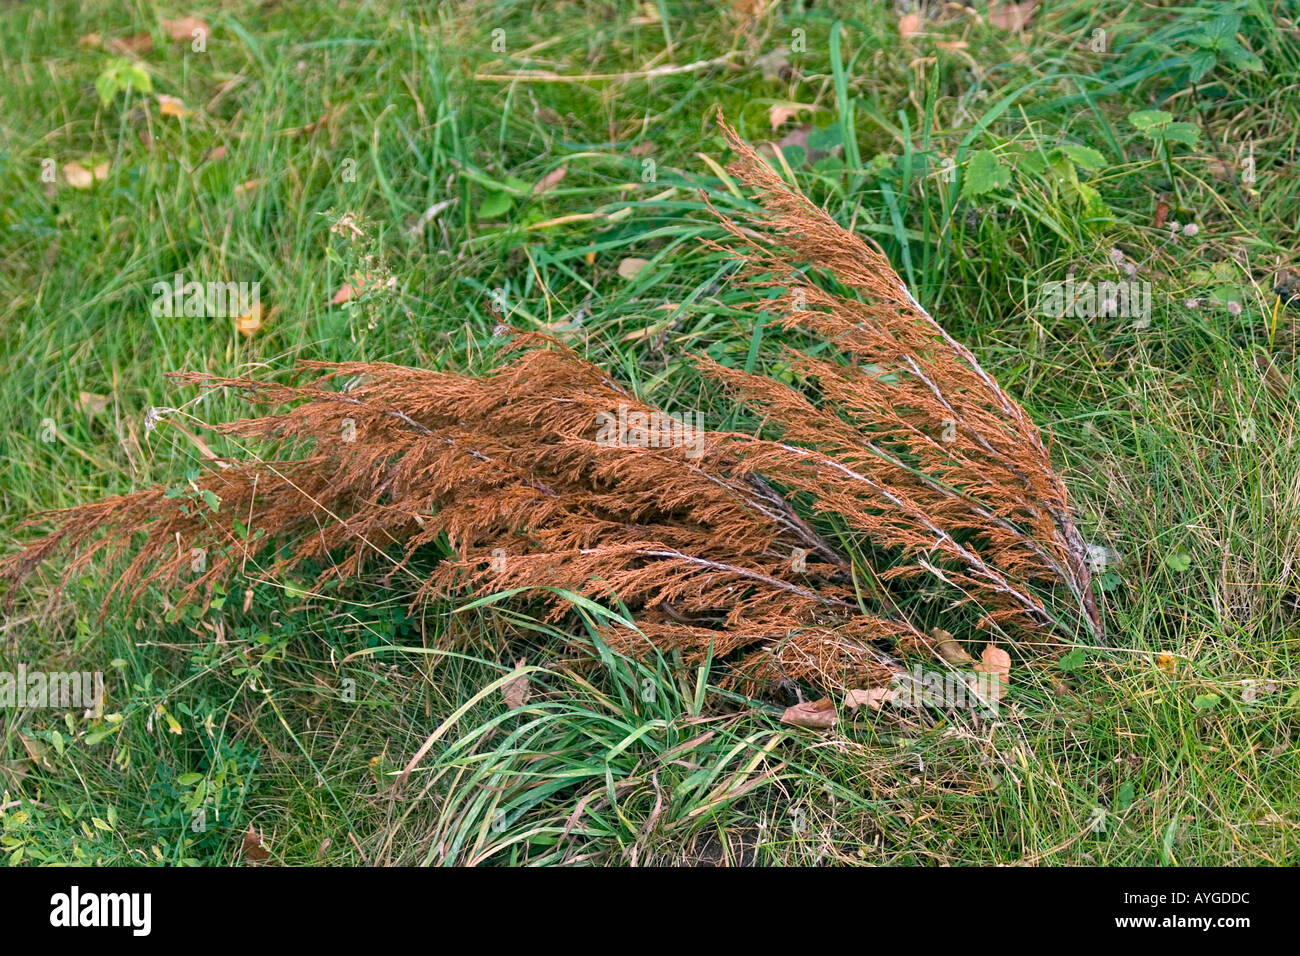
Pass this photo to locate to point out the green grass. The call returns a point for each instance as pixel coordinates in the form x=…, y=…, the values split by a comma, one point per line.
x=294, y=715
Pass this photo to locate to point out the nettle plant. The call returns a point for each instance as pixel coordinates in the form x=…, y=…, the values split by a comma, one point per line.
x=1217, y=45
x=882, y=464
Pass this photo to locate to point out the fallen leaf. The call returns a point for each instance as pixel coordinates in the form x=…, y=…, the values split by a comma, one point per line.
x=360, y=283
x=996, y=661
x=1166, y=662
x=909, y=25
x=1013, y=16
x=813, y=714
x=215, y=153
x=631, y=267
x=184, y=27
x=78, y=176
x=254, y=849
x=548, y=116
x=92, y=404
x=140, y=43
x=589, y=258
x=1162, y=214
x=91, y=40
x=250, y=321
x=310, y=127
x=550, y=180
x=517, y=692
x=776, y=64
x=949, y=648
x=644, y=148
x=873, y=697
x=171, y=105
x=781, y=113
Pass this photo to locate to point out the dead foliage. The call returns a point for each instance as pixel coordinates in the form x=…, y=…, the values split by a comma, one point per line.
x=893, y=460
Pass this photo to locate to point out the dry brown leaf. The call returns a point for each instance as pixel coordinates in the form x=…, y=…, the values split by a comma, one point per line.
x=909, y=25
x=184, y=27
x=813, y=714
x=589, y=258
x=1162, y=214
x=78, y=176
x=873, y=697
x=91, y=40
x=550, y=180
x=140, y=43
x=1166, y=662
x=517, y=691
x=631, y=267
x=254, y=848
x=1013, y=16
x=949, y=649
x=781, y=113
x=997, y=662
x=171, y=105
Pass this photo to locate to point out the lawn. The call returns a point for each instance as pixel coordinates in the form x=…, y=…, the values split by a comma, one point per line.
x=401, y=179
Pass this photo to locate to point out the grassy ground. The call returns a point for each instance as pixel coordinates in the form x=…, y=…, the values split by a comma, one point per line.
x=986, y=161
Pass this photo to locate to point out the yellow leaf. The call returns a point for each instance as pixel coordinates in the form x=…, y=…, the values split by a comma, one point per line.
x=251, y=321
x=78, y=176
x=171, y=106
x=631, y=267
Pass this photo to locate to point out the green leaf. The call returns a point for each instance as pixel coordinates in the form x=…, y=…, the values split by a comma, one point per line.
x=189, y=779
x=101, y=824
x=1084, y=156
x=1200, y=63
x=984, y=174
x=1124, y=796
x=497, y=204
x=1205, y=701
x=1187, y=133
x=1243, y=58
x=121, y=74
x=1073, y=660
x=1223, y=27
x=1179, y=561
x=1150, y=119
x=210, y=499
